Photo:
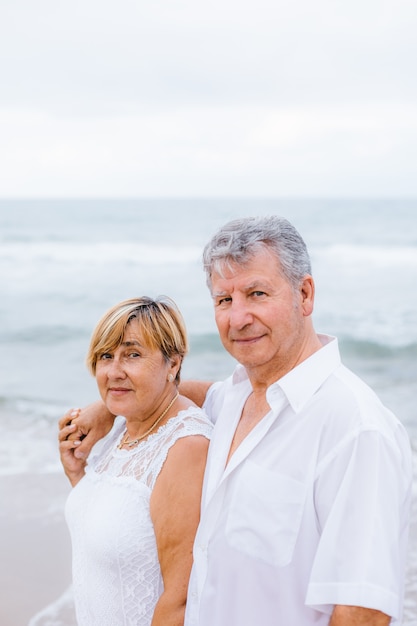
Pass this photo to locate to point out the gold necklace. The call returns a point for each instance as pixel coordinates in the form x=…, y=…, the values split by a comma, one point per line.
x=133, y=442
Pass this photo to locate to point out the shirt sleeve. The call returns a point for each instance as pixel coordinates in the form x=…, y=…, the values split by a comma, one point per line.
x=362, y=501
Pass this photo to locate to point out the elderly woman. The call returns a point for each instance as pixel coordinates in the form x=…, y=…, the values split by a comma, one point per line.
x=134, y=508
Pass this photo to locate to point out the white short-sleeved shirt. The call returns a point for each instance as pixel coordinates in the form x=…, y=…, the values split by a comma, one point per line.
x=312, y=509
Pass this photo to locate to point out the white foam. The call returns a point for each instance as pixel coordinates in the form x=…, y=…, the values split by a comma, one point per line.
x=59, y=613
x=366, y=255
x=103, y=253
x=31, y=428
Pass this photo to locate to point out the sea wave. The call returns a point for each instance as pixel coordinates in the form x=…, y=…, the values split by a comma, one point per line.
x=24, y=426
x=366, y=255
x=25, y=254
x=47, y=335
x=206, y=342
x=372, y=349
x=94, y=253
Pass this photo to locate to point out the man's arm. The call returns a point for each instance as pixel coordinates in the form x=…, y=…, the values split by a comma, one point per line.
x=358, y=616
x=196, y=390
x=84, y=427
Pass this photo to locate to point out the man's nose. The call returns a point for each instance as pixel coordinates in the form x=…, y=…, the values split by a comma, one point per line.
x=240, y=314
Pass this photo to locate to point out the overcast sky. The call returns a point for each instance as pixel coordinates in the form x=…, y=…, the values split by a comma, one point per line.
x=214, y=98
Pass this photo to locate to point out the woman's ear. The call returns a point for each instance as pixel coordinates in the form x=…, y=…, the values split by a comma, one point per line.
x=175, y=364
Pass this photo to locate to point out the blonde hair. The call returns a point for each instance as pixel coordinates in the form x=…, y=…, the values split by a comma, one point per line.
x=161, y=323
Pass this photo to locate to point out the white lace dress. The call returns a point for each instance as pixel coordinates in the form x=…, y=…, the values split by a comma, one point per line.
x=116, y=575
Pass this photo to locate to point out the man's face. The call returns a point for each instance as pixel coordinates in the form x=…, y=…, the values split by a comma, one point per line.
x=259, y=316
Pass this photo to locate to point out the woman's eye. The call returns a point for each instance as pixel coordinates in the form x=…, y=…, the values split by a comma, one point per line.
x=104, y=356
x=134, y=355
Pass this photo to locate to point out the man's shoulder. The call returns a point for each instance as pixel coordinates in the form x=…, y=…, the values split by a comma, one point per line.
x=353, y=402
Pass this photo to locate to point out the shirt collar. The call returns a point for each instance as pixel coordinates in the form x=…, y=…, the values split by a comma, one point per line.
x=302, y=382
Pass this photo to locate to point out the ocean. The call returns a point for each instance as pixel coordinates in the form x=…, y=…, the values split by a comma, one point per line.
x=64, y=262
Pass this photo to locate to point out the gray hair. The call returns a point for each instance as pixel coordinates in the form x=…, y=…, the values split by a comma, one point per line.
x=239, y=240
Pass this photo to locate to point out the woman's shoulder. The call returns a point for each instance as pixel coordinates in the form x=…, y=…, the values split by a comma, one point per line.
x=191, y=419
x=185, y=436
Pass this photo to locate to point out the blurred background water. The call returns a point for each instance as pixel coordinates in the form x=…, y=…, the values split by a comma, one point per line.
x=64, y=262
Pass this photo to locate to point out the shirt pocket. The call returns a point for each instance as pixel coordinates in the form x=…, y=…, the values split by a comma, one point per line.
x=265, y=514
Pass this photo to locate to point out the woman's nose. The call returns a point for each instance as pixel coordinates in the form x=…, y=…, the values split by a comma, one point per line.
x=116, y=369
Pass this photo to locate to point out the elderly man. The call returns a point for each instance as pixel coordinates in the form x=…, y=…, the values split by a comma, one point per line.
x=306, y=499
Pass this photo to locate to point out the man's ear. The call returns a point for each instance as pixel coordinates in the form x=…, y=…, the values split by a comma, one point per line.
x=307, y=291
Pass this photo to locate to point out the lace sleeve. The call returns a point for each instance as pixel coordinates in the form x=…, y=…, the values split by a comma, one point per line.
x=192, y=421
x=144, y=462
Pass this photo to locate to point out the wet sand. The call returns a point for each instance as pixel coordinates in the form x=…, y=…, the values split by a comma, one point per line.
x=35, y=550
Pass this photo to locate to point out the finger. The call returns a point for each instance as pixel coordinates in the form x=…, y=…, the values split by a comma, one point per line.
x=68, y=417
x=84, y=448
x=66, y=431
x=76, y=435
x=67, y=444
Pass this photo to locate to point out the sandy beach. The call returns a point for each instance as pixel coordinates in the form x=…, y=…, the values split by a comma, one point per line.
x=34, y=545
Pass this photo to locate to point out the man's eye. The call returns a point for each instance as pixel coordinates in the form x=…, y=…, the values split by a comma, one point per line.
x=224, y=300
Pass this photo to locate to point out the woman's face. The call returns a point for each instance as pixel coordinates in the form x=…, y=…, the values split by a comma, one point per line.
x=132, y=380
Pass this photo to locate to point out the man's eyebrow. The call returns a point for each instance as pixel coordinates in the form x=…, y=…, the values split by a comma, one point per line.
x=217, y=294
x=253, y=286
